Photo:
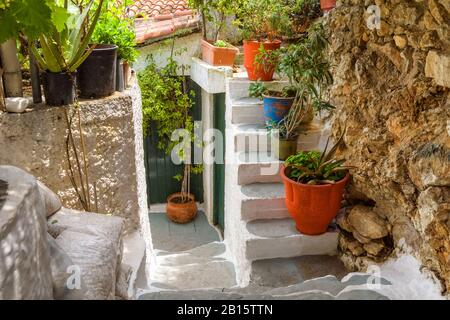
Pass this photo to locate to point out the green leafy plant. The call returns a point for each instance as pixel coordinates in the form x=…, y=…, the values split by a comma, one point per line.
x=306, y=66
x=257, y=90
x=221, y=44
x=316, y=168
x=63, y=49
x=30, y=17
x=167, y=102
x=301, y=13
x=115, y=27
x=262, y=19
x=215, y=12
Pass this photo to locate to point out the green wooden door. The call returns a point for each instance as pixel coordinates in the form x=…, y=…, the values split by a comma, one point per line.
x=159, y=167
x=219, y=169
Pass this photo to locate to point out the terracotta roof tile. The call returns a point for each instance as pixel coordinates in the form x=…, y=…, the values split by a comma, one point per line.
x=154, y=8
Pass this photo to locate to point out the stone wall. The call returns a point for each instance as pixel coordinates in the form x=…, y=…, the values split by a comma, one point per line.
x=391, y=90
x=35, y=141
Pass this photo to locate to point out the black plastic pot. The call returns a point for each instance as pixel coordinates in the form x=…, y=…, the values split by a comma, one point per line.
x=97, y=74
x=59, y=88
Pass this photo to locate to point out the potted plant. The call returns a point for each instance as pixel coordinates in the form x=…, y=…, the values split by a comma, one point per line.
x=215, y=52
x=284, y=134
x=307, y=69
x=166, y=102
x=262, y=23
x=115, y=27
x=276, y=103
x=314, y=184
x=63, y=50
x=219, y=53
x=327, y=5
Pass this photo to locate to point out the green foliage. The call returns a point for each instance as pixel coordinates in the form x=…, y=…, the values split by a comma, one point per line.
x=221, y=44
x=63, y=49
x=313, y=167
x=262, y=19
x=32, y=17
x=167, y=102
x=257, y=89
x=115, y=27
x=215, y=12
x=306, y=66
x=266, y=59
x=164, y=101
x=302, y=12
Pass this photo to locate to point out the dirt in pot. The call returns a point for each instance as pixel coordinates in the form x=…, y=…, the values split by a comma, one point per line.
x=179, y=200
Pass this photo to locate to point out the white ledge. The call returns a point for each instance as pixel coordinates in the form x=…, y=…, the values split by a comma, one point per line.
x=209, y=78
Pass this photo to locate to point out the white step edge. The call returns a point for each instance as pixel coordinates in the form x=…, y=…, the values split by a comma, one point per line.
x=263, y=201
x=257, y=167
x=271, y=239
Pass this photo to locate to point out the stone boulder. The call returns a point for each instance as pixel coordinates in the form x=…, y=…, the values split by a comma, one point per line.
x=367, y=223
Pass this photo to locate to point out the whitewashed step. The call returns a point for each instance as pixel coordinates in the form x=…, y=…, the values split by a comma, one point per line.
x=251, y=138
x=247, y=110
x=258, y=167
x=263, y=201
x=215, y=274
x=211, y=252
x=280, y=239
x=238, y=86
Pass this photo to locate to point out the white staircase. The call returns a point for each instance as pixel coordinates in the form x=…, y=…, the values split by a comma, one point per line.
x=257, y=223
x=193, y=269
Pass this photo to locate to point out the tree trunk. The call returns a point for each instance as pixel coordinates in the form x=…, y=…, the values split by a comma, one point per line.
x=12, y=74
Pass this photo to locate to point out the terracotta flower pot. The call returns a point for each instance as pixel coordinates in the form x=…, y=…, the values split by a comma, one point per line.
x=218, y=56
x=254, y=70
x=327, y=5
x=313, y=207
x=181, y=212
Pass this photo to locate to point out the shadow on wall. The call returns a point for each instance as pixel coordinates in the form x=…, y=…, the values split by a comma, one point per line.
x=3, y=192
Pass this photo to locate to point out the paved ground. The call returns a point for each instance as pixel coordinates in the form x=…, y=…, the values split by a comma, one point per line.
x=173, y=237
x=288, y=271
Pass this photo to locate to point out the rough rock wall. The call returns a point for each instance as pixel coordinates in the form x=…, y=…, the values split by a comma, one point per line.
x=391, y=91
x=36, y=142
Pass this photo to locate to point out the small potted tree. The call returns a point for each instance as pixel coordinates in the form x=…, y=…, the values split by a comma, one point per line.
x=63, y=50
x=314, y=184
x=214, y=13
x=166, y=102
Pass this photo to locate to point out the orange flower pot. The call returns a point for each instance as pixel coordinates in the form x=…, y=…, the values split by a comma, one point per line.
x=218, y=56
x=327, y=5
x=181, y=212
x=313, y=207
x=256, y=71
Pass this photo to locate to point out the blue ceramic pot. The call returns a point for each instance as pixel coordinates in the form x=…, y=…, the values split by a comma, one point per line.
x=275, y=108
